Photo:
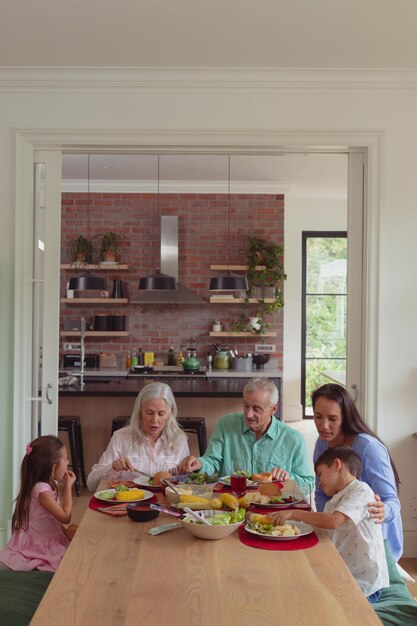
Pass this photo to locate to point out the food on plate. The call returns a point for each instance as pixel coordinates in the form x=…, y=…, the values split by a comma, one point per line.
x=130, y=494
x=222, y=519
x=201, y=479
x=159, y=476
x=263, y=477
x=229, y=500
x=269, y=489
x=216, y=503
x=256, y=497
x=113, y=484
x=106, y=495
x=263, y=525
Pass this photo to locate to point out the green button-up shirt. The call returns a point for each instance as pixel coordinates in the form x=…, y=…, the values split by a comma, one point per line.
x=281, y=446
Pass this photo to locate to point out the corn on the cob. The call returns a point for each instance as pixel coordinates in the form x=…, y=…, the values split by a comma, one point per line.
x=190, y=498
x=216, y=503
x=132, y=494
x=245, y=501
x=229, y=500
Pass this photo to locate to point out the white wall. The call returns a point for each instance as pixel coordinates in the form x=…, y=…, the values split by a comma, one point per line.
x=301, y=215
x=319, y=105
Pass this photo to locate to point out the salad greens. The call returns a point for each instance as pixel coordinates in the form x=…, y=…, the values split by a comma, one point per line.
x=121, y=488
x=201, y=479
x=227, y=517
x=105, y=495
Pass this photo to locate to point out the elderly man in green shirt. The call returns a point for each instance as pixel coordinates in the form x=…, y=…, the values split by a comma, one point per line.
x=256, y=437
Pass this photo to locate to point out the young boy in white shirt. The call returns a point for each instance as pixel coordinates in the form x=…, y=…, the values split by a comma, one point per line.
x=357, y=538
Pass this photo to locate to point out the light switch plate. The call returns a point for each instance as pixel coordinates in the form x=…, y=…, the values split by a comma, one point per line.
x=266, y=348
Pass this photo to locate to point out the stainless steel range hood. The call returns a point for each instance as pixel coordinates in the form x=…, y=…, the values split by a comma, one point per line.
x=169, y=265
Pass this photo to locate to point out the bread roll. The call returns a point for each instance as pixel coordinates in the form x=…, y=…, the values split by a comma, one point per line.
x=270, y=490
x=264, y=477
x=160, y=476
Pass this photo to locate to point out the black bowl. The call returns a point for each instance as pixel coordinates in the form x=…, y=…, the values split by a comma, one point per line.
x=141, y=512
x=260, y=360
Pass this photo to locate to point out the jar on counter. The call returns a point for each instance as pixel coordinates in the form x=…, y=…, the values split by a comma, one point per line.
x=221, y=360
x=217, y=326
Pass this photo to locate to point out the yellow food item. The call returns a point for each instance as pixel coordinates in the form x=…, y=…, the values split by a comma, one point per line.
x=229, y=500
x=190, y=498
x=132, y=494
x=257, y=518
x=216, y=503
x=245, y=501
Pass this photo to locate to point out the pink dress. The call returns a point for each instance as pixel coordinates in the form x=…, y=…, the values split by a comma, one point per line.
x=42, y=545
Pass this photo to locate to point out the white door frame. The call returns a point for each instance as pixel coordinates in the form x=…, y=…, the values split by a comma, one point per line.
x=182, y=141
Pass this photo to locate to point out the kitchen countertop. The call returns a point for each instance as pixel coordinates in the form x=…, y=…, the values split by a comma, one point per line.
x=197, y=387
x=167, y=371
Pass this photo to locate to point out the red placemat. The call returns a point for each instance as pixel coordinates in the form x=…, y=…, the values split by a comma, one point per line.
x=95, y=504
x=302, y=543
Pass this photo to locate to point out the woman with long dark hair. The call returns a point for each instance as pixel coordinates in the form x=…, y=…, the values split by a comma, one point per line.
x=338, y=422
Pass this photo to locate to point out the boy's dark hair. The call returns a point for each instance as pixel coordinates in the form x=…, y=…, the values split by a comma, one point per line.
x=345, y=454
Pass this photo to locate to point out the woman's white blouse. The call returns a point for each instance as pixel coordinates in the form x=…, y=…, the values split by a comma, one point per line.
x=144, y=456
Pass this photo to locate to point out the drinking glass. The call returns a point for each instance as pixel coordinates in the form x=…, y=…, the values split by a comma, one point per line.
x=238, y=478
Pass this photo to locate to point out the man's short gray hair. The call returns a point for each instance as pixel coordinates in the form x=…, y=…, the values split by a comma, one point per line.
x=262, y=384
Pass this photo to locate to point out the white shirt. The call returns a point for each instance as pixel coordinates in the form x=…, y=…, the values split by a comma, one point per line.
x=144, y=456
x=359, y=540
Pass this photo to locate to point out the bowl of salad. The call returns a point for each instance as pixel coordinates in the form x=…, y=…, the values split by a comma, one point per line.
x=222, y=523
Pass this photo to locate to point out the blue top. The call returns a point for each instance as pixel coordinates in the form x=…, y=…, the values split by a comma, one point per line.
x=377, y=472
x=281, y=446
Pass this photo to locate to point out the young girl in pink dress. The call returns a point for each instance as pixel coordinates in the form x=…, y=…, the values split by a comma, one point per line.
x=39, y=540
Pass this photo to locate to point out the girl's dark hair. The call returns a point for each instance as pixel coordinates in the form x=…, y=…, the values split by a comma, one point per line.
x=42, y=454
x=352, y=422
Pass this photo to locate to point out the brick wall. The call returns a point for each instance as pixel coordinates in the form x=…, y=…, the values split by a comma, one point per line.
x=203, y=240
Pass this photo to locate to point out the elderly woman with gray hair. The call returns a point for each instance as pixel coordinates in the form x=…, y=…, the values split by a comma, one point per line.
x=151, y=442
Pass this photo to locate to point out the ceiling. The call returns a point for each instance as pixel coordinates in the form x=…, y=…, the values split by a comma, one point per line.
x=298, y=176
x=220, y=33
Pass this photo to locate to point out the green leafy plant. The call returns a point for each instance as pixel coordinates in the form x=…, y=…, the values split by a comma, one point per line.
x=80, y=249
x=108, y=245
x=265, y=272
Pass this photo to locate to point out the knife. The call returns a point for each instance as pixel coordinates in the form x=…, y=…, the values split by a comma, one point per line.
x=157, y=530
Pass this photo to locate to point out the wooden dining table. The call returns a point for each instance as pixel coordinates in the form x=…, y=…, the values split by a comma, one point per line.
x=115, y=574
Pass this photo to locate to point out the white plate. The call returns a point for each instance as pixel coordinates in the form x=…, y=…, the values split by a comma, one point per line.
x=305, y=529
x=282, y=505
x=147, y=496
x=142, y=481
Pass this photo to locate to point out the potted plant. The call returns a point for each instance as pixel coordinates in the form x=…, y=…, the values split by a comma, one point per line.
x=108, y=246
x=265, y=275
x=80, y=249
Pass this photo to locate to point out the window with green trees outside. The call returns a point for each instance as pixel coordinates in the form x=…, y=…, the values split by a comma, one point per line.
x=324, y=310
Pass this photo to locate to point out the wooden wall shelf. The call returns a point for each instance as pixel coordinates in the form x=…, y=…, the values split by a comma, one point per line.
x=95, y=333
x=225, y=333
x=236, y=268
x=83, y=267
x=106, y=301
x=217, y=300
